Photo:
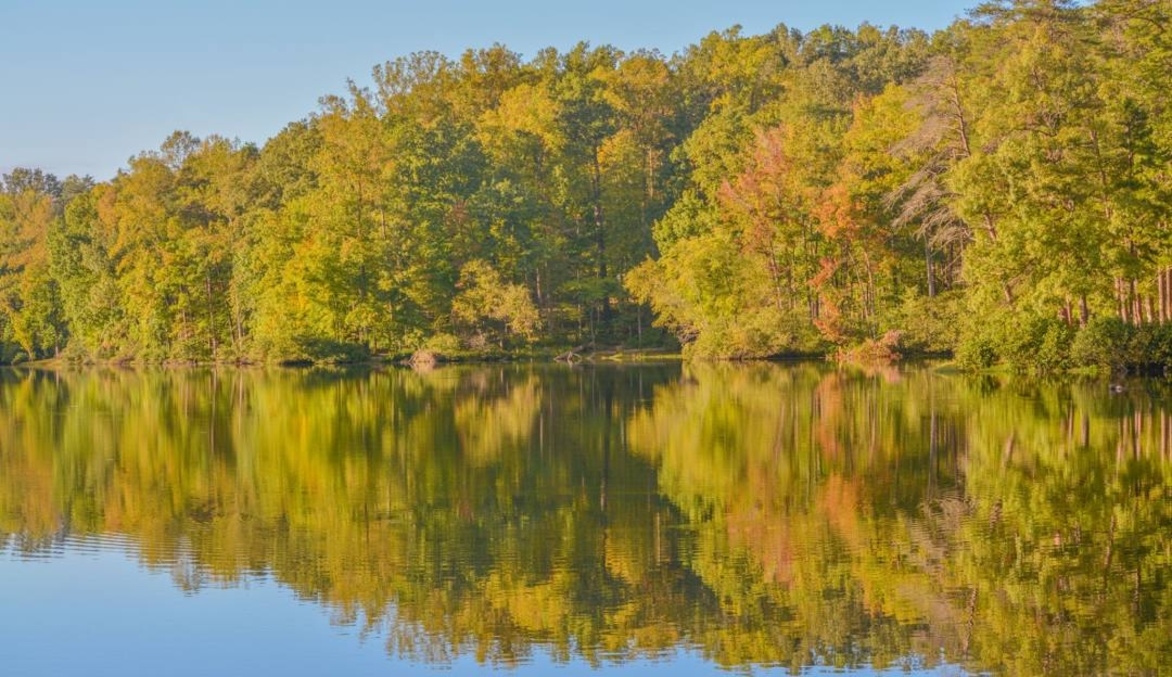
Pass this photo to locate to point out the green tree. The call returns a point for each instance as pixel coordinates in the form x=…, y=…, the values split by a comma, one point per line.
x=30, y=304
x=485, y=300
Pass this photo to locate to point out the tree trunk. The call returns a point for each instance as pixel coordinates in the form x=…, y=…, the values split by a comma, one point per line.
x=928, y=264
x=211, y=315
x=1164, y=283
x=1161, y=297
x=775, y=274
x=1157, y=302
x=1121, y=301
x=1136, y=304
x=599, y=232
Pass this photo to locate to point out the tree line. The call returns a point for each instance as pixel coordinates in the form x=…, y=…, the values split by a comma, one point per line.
x=998, y=189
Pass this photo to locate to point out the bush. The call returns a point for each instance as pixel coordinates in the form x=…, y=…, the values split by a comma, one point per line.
x=1037, y=344
x=442, y=344
x=1023, y=342
x=327, y=351
x=1052, y=353
x=976, y=352
x=931, y=325
x=1149, y=348
x=1111, y=344
x=888, y=348
x=1102, y=344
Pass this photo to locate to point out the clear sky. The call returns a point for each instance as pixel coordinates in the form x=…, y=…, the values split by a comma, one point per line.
x=85, y=84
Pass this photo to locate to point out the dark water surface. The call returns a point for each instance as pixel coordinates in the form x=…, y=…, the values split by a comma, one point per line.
x=546, y=520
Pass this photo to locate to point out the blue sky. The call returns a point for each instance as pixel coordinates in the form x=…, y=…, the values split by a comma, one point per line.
x=85, y=84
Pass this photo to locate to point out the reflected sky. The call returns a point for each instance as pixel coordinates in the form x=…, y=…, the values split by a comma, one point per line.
x=90, y=608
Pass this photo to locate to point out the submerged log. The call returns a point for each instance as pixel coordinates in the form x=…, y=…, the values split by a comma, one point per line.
x=573, y=354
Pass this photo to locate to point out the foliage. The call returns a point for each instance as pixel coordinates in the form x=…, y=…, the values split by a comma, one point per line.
x=1022, y=341
x=484, y=300
x=1112, y=345
x=761, y=195
x=930, y=324
x=1102, y=344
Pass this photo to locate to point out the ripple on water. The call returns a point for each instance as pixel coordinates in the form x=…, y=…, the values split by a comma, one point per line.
x=32, y=548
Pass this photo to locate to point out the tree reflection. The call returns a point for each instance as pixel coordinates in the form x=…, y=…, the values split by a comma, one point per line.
x=762, y=515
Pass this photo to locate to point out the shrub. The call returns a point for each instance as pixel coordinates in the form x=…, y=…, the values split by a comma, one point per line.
x=1149, y=348
x=1036, y=344
x=1102, y=344
x=931, y=325
x=1109, y=343
x=1023, y=342
x=976, y=352
x=888, y=348
x=442, y=344
x=327, y=351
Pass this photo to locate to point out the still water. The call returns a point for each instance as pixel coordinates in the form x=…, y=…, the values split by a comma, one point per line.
x=546, y=520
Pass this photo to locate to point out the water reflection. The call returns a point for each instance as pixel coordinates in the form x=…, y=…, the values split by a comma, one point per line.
x=761, y=515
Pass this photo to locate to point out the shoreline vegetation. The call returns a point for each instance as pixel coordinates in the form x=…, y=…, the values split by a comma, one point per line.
x=861, y=357
x=999, y=191
x=422, y=359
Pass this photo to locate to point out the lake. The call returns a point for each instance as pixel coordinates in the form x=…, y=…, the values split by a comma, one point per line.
x=658, y=519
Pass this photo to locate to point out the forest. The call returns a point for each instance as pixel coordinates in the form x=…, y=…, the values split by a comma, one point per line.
x=998, y=190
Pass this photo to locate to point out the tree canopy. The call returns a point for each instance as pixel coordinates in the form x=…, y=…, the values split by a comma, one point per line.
x=999, y=188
